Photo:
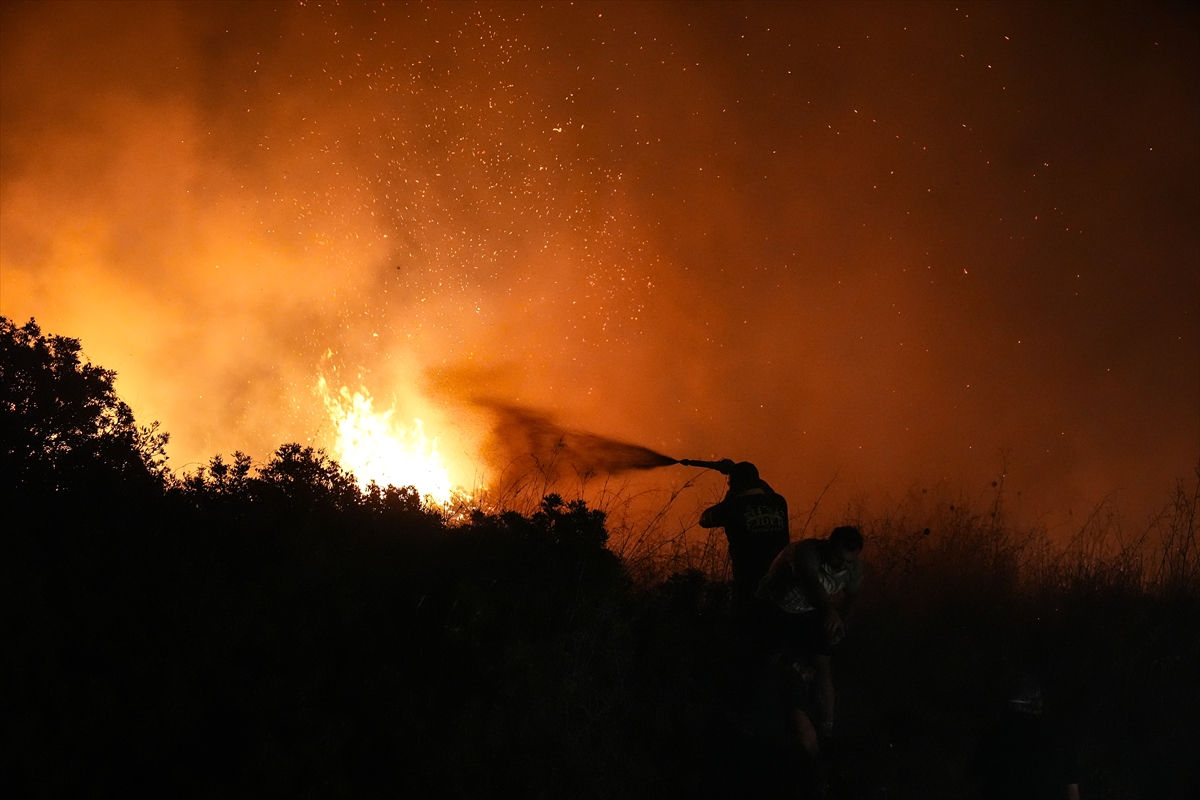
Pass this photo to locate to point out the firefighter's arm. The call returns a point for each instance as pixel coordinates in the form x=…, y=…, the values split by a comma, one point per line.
x=850, y=595
x=813, y=590
x=713, y=516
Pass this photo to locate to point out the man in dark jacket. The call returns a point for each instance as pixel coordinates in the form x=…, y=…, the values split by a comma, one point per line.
x=755, y=520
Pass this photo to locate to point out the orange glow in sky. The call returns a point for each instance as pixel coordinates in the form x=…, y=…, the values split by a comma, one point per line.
x=906, y=245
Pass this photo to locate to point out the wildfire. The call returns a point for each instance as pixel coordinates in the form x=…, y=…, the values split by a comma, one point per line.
x=375, y=447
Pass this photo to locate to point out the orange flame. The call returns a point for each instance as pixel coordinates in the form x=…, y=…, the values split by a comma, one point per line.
x=375, y=447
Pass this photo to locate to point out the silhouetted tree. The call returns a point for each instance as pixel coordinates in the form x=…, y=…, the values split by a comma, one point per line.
x=219, y=478
x=61, y=421
x=306, y=476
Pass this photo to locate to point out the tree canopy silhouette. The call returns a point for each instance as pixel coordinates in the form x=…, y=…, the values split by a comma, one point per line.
x=61, y=418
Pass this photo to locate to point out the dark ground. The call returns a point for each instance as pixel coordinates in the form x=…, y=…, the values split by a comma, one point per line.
x=259, y=641
x=276, y=632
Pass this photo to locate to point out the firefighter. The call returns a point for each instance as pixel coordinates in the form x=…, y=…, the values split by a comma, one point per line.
x=755, y=519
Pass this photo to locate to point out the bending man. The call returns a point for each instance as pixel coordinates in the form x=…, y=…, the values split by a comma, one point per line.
x=810, y=588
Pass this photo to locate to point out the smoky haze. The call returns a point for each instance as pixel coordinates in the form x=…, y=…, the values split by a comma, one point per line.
x=905, y=244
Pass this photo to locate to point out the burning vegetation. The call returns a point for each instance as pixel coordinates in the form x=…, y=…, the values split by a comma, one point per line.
x=377, y=448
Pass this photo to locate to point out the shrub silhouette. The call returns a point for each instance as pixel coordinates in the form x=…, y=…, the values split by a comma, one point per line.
x=307, y=477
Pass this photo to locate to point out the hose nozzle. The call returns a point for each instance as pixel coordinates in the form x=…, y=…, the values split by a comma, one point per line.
x=723, y=466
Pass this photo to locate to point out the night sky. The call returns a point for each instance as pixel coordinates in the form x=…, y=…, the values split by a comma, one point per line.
x=909, y=245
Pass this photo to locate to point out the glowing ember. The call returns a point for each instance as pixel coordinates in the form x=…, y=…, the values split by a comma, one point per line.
x=377, y=448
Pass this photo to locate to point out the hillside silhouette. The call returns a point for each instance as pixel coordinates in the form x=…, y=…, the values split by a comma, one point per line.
x=269, y=629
